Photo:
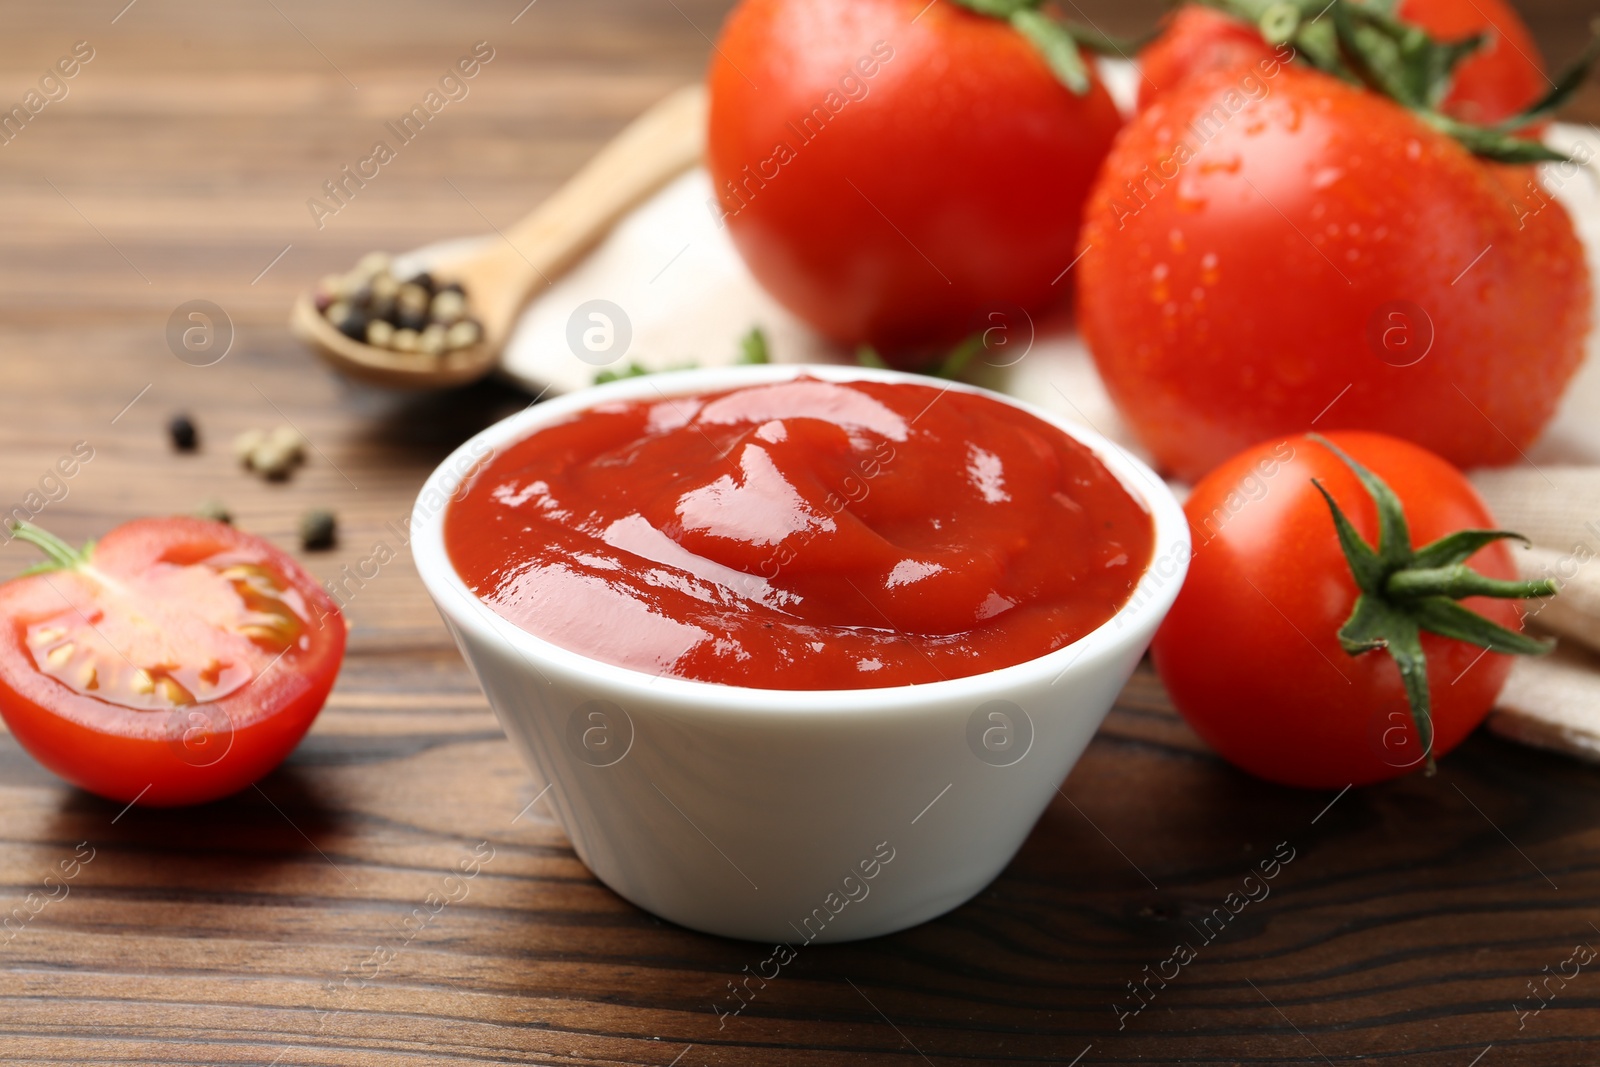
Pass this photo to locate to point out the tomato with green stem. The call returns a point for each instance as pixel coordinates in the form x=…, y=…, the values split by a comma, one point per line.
x=175, y=661
x=1311, y=643
x=891, y=170
x=1272, y=247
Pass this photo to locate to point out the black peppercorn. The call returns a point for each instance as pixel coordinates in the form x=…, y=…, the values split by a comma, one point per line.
x=184, y=436
x=318, y=530
x=352, y=323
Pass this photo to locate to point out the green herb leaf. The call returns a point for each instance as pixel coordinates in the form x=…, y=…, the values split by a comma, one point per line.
x=753, y=347
x=631, y=370
x=955, y=363
x=867, y=356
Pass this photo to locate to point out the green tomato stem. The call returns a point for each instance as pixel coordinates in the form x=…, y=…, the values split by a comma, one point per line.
x=1407, y=591
x=1056, y=41
x=1460, y=581
x=1365, y=43
x=62, y=556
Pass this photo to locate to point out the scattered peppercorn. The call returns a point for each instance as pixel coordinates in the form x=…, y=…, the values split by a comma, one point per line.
x=288, y=437
x=417, y=314
x=215, y=510
x=246, y=443
x=348, y=320
x=272, y=461
x=184, y=436
x=272, y=454
x=318, y=530
x=463, y=334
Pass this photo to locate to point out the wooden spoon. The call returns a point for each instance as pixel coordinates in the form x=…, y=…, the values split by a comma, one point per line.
x=500, y=279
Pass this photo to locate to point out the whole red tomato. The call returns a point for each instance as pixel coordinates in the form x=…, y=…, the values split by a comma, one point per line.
x=1270, y=249
x=1494, y=83
x=890, y=170
x=1250, y=652
x=175, y=662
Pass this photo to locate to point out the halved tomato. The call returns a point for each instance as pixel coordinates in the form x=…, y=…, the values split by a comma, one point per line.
x=176, y=661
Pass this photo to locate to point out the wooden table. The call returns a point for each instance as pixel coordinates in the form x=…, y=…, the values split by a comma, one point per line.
x=268, y=928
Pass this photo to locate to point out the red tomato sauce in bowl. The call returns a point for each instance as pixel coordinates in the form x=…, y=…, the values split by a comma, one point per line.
x=802, y=534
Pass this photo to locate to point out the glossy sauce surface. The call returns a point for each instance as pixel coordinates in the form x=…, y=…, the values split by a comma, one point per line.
x=802, y=535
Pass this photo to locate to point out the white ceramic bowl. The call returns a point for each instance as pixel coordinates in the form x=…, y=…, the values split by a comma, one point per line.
x=793, y=815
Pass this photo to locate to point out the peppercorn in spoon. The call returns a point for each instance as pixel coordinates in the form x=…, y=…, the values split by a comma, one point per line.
x=448, y=326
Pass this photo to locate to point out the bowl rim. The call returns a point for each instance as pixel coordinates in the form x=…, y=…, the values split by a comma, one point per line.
x=1170, y=542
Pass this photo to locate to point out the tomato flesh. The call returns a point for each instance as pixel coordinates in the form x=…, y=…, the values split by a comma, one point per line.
x=180, y=664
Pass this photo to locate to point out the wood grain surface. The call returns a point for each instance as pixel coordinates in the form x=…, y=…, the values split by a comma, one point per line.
x=278, y=927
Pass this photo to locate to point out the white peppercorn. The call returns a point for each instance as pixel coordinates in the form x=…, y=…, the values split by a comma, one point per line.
x=245, y=444
x=463, y=334
x=431, y=341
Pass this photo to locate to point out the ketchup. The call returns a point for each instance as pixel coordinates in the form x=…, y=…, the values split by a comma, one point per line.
x=802, y=535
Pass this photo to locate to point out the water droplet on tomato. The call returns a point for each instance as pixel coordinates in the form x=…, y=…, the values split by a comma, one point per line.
x=1326, y=177
x=1158, y=288
x=1189, y=196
